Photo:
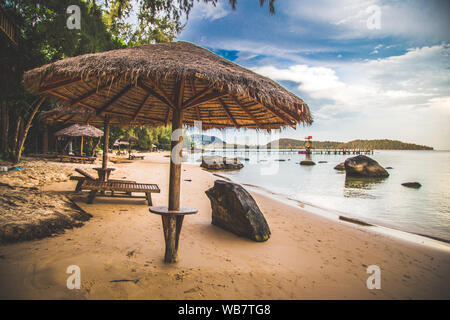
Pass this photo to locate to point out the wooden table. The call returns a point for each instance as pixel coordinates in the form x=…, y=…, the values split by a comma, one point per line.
x=103, y=174
x=172, y=221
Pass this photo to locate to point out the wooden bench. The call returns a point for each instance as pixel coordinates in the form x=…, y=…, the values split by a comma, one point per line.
x=88, y=176
x=132, y=157
x=128, y=188
x=81, y=159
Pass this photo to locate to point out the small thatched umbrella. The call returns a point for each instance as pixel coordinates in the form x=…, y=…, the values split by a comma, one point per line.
x=77, y=130
x=170, y=82
x=121, y=142
x=132, y=139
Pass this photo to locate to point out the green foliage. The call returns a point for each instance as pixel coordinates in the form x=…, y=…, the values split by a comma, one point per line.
x=148, y=136
x=157, y=20
x=105, y=25
x=45, y=38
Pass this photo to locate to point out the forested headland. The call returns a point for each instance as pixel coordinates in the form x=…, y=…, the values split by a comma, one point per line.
x=378, y=144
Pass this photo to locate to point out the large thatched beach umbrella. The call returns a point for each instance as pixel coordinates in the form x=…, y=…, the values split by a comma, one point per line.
x=177, y=83
x=77, y=130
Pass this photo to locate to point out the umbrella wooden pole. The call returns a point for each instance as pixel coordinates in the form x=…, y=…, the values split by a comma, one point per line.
x=81, y=146
x=175, y=167
x=172, y=224
x=105, y=148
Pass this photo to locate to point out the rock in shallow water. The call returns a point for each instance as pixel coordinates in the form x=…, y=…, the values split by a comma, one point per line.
x=415, y=185
x=234, y=209
x=307, y=163
x=363, y=166
x=220, y=163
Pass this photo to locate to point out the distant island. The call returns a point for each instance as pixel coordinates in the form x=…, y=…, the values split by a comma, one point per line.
x=203, y=139
x=379, y=144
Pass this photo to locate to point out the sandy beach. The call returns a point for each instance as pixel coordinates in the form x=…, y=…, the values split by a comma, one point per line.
x=120, y=252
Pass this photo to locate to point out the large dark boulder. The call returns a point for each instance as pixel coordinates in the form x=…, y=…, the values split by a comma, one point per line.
x=307, y=163
x=234, y=209
x=340, y=167
x=363, y=166
x=220, y=163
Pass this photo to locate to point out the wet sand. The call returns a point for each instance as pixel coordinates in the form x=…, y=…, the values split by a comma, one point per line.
x=307, y=256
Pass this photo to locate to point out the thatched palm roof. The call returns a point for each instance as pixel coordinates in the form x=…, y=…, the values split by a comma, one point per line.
x=137, y=84
x=77, y=130
x=80, y=115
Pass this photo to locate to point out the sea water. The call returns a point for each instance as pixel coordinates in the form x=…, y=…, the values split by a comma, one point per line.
x=383, y=202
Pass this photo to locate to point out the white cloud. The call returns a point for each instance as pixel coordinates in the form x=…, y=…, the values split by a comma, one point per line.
x=408, y=92
x=440, y=104
x=413, y=19
x=208, y=11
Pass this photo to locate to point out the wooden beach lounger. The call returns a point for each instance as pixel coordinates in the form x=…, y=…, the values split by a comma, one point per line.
x=88, y=176
x=128, y=188
x=132, y=157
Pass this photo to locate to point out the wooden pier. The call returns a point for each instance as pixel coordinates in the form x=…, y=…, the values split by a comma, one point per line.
x=286, y=151
x=341, y=151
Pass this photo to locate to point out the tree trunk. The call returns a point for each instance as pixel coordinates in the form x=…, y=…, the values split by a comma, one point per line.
x=106, y=145
x=16, y=134
x=94, y=149
x=5, y=122
x=45, y=140
x=23, y=136
x=21, y=129
x=69, y=141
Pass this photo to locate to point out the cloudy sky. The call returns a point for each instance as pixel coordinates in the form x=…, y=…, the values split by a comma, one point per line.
x=367, y=69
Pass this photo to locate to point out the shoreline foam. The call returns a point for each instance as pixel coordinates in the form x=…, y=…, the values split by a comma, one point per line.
x=336, y=215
